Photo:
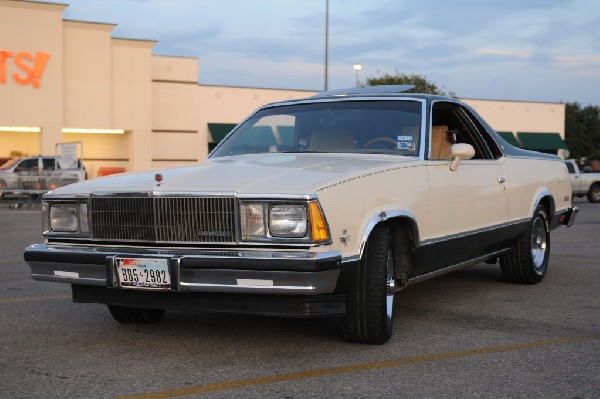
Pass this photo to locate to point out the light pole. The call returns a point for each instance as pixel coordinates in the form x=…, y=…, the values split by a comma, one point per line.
x=357, y=67
x=326, y=41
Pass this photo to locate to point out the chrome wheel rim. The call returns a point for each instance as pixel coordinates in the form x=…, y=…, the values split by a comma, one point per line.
x=390, y=285
x=596, y=194
x=539, y=243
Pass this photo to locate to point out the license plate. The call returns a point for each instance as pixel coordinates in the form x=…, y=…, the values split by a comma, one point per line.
x=143, y=273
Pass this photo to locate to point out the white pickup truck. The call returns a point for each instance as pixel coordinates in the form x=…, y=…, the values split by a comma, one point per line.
x=584, y=183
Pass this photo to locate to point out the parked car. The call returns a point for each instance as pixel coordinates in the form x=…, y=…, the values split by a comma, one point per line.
x=326, y=206
x=587, y=184
x=36, y=175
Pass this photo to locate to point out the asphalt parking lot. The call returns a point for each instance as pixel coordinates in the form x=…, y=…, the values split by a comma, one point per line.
x=466, y=334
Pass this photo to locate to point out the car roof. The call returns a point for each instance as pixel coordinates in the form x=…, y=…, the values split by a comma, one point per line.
x=364, y=92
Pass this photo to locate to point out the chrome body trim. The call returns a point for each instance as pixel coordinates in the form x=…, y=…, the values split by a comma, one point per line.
x=452, y=268
x=538, y=199
x=573, y=215
x=194, y=270
x=382, y=217
x=156, y=236
x=472, y=232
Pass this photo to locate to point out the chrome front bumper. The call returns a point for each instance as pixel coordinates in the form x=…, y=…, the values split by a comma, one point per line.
x=215, y=271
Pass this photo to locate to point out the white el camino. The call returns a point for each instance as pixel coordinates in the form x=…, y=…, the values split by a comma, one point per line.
x=326, y=206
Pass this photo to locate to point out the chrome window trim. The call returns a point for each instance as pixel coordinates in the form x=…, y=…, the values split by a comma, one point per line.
x=460, y=106
x=422, y=128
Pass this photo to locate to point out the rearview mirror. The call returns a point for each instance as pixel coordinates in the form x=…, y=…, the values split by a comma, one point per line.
x=459, y=152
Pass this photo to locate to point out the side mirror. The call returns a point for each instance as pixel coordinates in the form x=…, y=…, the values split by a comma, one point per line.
x=459, y=152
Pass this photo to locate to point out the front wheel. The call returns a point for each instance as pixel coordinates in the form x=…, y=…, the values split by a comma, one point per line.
x=594, y=194
x=370, y=304
x=527, y=262
x=135, y=315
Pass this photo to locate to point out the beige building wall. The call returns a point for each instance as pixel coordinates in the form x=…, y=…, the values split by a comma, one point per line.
x=222, y=104
x=57, y=74
x=132, y=97
x=521, y=116
x=31, y=73
x=87, y=74
x=176, y=139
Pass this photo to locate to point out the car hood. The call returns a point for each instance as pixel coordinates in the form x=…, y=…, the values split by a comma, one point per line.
x=247, y=174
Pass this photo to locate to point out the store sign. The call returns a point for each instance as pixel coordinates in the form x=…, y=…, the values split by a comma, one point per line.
x=22, y=67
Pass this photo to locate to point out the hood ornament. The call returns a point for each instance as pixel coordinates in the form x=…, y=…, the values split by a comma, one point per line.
x=158, y=178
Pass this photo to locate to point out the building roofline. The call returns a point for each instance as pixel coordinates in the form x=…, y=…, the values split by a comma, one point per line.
x=36, y=4
x=101, y=25
x=258, y=88
x=175, y=56
x=510, y=101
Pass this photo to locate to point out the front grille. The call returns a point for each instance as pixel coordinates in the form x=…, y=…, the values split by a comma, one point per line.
x=163, y=219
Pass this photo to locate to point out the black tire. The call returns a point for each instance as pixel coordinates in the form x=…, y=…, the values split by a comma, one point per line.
x=594, y=194
x=370, y=303
x=135, y=315
x=527, y=262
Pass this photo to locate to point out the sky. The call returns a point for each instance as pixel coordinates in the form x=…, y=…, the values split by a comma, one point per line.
x=529, y=50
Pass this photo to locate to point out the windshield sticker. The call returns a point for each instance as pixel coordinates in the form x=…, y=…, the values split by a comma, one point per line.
x=406, y=143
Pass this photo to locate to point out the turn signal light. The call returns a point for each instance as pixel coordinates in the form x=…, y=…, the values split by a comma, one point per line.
x=317, y=223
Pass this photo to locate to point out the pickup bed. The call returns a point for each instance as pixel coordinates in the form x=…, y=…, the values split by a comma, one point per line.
x=587, y=184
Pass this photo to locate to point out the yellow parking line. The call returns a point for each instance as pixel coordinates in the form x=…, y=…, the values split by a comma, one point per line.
x=225, y=385
x=35, y=299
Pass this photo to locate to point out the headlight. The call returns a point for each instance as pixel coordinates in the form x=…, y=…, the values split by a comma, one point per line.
x=288, y=221
x=64, y=218
x=276, y=221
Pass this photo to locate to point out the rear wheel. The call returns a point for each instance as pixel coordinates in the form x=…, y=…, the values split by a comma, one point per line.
x=370, y=304
x=135, y=315
x=594, y=194
x=527, y=262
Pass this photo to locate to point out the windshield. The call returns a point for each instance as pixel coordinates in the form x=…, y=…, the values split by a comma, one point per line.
x=9, y=164
x=390, y=126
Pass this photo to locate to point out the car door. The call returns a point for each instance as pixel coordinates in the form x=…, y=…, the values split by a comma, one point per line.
x=469, y=206
x=26, y=175
x=574, y=176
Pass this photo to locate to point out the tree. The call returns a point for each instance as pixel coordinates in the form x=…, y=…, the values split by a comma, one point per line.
x=422, y=85
x=582, y=130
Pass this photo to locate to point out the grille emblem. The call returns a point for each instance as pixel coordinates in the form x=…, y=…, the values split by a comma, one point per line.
x=159, y=178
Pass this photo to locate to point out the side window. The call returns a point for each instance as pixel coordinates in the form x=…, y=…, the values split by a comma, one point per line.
x=27, y=165
x=48, y=163
x=483, y=132
x=570, y=167
x=450, y=125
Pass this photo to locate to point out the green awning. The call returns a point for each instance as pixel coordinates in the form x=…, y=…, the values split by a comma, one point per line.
x=510, y=137
x=219, y=130
x=542, y=141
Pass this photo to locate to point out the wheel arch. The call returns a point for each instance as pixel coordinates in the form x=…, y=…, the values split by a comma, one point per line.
x=545, y=199
x=405, y=232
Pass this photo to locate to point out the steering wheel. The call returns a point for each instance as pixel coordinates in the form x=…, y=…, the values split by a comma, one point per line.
x=388, y=142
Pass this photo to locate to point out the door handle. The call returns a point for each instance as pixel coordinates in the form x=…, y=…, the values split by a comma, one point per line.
x=502, y=180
